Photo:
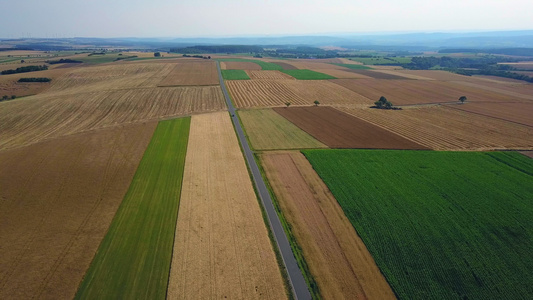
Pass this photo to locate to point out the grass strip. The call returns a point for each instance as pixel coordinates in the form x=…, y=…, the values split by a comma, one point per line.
x=440, y=225
x=133, y=260
x=234, y=75
x=307, y=75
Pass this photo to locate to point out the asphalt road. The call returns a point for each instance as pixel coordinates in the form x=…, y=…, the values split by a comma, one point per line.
x=296, y=279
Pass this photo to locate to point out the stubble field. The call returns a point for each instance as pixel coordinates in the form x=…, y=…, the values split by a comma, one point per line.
x=192, y=73
x=221, y=247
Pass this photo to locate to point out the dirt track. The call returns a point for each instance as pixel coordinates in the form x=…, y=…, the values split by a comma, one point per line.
x=336, y=256
x=57, y=199
x=222, y=249
x=340, y=130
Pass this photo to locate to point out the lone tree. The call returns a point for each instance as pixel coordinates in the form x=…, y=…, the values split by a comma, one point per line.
x=383, y=103
x=157, y=54
x=316, y=103
x=288, y=104
x=462, y=99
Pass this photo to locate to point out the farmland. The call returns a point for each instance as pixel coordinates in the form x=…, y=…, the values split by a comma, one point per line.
x=239, y=65
x=192, y=73
x=337, y=258
x=520, y=113
x=58, y=199
x=354, y=66
x=268, y=75
x=254, y=93
x=134, y=257
x=469, y=238
x=221, y=247
x=341, y=74
x=268, y=130
x=340, y=130
x=234, y=75
x=307, y=75
x=443, y=128
x=263, y=64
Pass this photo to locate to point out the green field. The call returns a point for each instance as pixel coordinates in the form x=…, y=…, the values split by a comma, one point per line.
x=133, y=260
x=440, y=225
x=264, y=65
x=307, y=75
x=268, y=130
x=354, y=67
x=234, y=75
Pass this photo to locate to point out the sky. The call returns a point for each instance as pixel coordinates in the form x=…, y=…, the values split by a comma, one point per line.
x=211, y=18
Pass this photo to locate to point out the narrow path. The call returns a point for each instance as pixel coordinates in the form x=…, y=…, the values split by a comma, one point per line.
x=296, y=279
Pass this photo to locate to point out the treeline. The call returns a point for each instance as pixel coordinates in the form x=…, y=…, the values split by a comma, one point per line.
x=25, y=69
x=494, y=71
x=503, y=51
x=218, y=49
x=64, y=61
x=446, y=62
x=301, y=52
x=197, y=56
x=35, y=79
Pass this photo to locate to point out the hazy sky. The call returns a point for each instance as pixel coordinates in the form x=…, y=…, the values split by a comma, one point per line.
x=167, y=18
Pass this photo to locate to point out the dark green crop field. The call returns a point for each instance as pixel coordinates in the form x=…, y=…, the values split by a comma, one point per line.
x=133, y=261
x=234, y=75
x=307, y=75
x=264, y=65
x=440, y=225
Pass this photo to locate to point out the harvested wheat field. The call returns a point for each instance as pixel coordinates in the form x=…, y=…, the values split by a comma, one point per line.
x=192, y=73
x=268, y=130
x=254, y=93
x=407, y=92
x=57, y=200
x=9, y=84
x=337, y=258
x=239, y=65
x=221, y=249
x=337, y=129
x=520, y=113
x=341, y=73
x=377, y=74
x=516, y=91
x=437, y=75
x=405, y=75
x=45, y=116
x=269, y=75
x=314, y=65
x=443, y=128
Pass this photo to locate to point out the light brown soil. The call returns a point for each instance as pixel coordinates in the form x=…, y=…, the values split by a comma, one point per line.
x=515, y=91
x=377, y=74
x=9, y=84
x=241, y=65
x=527, y=153
x=222, y=249
x=521, y=113
x=341, y=73
x=254, y=93
x=337, y=129
x=269, y=75
x=314, y=65
x=337, y=258
x=406, y=92
x=57, y=200
x=50, y=115
x=192, y=73
x=443, y=128
x=403, y=74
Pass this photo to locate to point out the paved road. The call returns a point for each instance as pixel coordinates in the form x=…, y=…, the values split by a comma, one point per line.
x=297, y=281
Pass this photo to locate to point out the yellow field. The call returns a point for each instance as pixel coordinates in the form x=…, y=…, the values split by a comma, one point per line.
x=253, y=93
x=222, y=249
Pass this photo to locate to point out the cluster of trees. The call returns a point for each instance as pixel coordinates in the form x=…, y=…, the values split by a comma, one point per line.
x=494, y=71
x=218, y=49
x=64, y=61
x=25, y=69
x=125, y=57
x=383, y=103
x=6, y=97
x=197, y=56
x=35, y=79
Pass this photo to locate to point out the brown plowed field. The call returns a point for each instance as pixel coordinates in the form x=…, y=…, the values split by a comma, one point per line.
x=341, y=73
x=241, y=65
x=285, y=66
x=437, y=75
x=521, y=113
x=192, y=73
x=376, y=74
x=337, y=129
x=403, y=74
x=254, y=93
x=222, y=249
x=57, y=200
x=516, y=91
x=270, y=75
x=443, y=128
x=337, y=258
x=406, y=92
x=527, y=153
x=50, y=115
x=314, y=65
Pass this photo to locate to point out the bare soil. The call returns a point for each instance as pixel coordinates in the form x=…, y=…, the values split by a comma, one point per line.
x=192, y=73
x=337, y=129
x=376, y=74
x=520, y=113
x=57, y=200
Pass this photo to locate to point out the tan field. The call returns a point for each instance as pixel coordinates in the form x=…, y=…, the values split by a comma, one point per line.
x=404, y=74
x=520, y=113
x=341, y=73
x=192, y=73
x=222, y=249
x=443, y=128
x=239, y=65
x=9, y=85
x=516, y=91
x=337, y=258
x=313, y=65
x=57, y=200
x=269, y=75
x=250, y=93
x=45, y=116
